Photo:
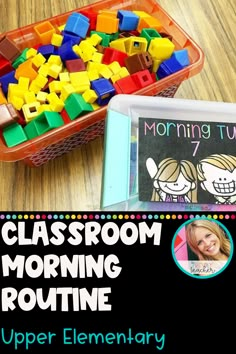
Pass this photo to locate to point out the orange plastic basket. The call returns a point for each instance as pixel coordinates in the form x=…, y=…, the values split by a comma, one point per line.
x=61, y=140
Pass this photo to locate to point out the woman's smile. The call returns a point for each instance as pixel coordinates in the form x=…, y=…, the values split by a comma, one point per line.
x=211, y=248
x=207, y=242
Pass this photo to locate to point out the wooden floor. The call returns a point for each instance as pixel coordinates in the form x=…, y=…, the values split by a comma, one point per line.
x=73, y=182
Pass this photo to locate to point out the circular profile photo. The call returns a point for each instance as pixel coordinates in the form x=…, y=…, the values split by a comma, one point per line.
x=202, y=247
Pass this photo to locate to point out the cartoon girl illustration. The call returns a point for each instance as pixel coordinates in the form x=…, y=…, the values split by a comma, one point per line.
x=217, y=174
x=173, y=181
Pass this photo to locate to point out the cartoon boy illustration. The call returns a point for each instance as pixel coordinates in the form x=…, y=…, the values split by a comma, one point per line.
x=173, y=181
x=217, y=174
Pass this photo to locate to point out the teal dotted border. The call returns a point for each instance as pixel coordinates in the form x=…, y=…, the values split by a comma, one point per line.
x=226, y=231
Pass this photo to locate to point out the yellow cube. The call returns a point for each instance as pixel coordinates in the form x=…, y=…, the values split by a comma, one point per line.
x=93, y=75
x=61, y=28
x=29, y=97
x=95, y=39
x=87, y=55
x=114, y=67
x=41, y=80
x=38, y=60
x=80, y=88
x=54, y=70
x=155, y=65
x=161, y=48
x=31, y=53
x=56, y=39
x=76, y=49
x=66, y=91
x=44, y=108
x=80, y=78
x=15, y=90
x=91, y=65
x=141, y=14
x=43, y=70
x=115, y=77
x=54, y=59
x=34, y=87
x=90, y=96
x=86, y=45
x=56, y=104
x=105, y=72
x=23, y=82
x=30, y=110
x=97, y=57
x=119, y=44
x=17, y=102
x=55, y=86
x=64, y=76
x=95, y=106
x=135, y=45
x=41, y=96
x=124, y=72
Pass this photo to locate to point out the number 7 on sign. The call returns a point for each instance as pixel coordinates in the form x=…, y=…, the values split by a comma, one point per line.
x=196, y=147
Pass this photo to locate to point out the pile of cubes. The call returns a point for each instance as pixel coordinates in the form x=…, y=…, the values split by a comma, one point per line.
x=78, y=67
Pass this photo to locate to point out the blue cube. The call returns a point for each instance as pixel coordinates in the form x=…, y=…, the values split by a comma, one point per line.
x=182, y=57
x=104, y=90
x=128, y=21
x=7, y=79
x=46, y=50
x=168, y=67
x=70, y=37
x=77, y=24
x=66, y=52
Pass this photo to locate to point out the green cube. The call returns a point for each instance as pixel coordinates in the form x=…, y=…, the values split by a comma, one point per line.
x=149, y=34
x=76, y=106
x=21, y=59
x=47, y=121
x=14, y=135
x=30, y=130
x=43, y=123
x=114, y=36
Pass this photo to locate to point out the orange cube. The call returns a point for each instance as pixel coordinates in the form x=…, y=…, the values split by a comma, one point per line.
x=107, y=23
x=45, y=31
x=26, y=69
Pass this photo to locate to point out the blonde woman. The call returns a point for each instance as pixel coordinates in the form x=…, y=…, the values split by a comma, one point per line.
x=208, y=240
x=173, y=181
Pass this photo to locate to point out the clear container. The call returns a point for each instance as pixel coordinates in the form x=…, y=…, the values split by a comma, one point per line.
x=191, y=131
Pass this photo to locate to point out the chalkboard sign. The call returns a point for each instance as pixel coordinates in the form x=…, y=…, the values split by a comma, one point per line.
x=167, y=154
x=187, y=161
